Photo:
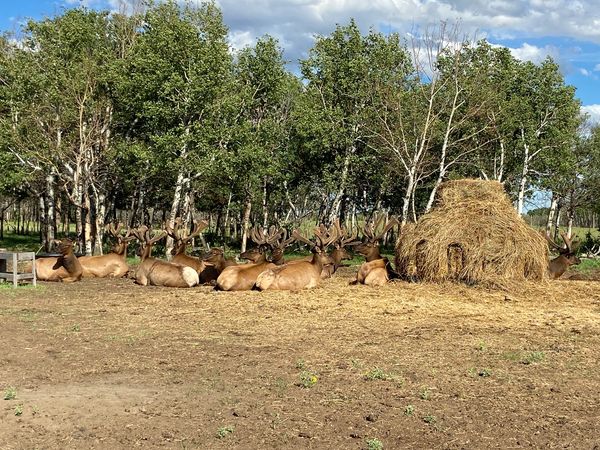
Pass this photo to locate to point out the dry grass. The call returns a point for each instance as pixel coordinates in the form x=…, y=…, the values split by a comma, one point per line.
x=472, y=235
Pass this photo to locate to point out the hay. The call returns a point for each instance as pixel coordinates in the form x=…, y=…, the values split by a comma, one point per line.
x=473, y=235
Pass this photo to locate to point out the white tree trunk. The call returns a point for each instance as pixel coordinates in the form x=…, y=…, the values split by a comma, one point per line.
x=551, y=214
x=524, y=177
x=246, y=223
x=181, y=180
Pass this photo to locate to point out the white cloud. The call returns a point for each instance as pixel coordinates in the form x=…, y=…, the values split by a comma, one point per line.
x=528, y=52
x=597, y=68
x=593, y=111
x=584, y=72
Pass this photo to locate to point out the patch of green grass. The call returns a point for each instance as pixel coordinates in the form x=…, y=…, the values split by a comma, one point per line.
x=374, y=444
x=300, y=364
x=10, y=393
x=18, y=410
x=430, y=419
x=10, y=287
x=409, y=410
x=308, y=379
x=425, y=393
x=379, y=374
x=533, y=357
x=225, y=431
x=481, y=346
x=587, y=266
x=16, y=242
x=76, y=328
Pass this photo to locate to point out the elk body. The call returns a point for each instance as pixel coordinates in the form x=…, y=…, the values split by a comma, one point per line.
x=113, y=264
x=65, y=268
x=243, y=277
x=303, y=274
x=376, y=270
x=567, y=257
x=157, y=272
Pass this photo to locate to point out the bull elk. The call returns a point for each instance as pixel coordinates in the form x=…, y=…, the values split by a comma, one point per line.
x=567, y=257
x=339, y=253
x=113, y=264
x=303, y=274
x=376, y=270
x=157, y=272
x=181, y=239
x=242, y=277
x=65, y=268
x=280, y=242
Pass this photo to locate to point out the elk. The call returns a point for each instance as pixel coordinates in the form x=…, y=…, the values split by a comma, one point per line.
x=181, y=239
x=339, y=253
x=376, y=270
x=113, y=264
x=303, y=274
x=565, y=259
x=242, y=277
x=65, y=268
x=279, y=245
x=215, y=262
x=157, y=272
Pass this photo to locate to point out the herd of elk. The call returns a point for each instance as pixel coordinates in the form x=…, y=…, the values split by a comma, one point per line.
x=267, y=268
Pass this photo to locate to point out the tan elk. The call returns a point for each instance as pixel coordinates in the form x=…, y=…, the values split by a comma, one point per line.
x=113, y=264
x=280, y=242
x=242, y=277
x=376, y=270
x=157, y=272
x=339, y=253
x=181, y=239
x=567, y=257
x=65, y=268
x=301, y=275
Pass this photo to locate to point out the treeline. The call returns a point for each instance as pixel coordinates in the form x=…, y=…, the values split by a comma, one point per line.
x=150, y=116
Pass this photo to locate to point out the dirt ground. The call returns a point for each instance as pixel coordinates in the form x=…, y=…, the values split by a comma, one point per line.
x=107, y=364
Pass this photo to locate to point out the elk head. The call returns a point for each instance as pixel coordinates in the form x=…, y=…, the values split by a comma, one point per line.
x=567, y=256
x=340, y=253
x=146, y=241
x=264, y=242
x=323, y=239
x=181, y=237
x=369, y=247
x=279, y=244
x=120, y=248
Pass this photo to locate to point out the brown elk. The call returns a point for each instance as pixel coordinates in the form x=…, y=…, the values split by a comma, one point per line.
x=180, y=241
x=65, y=268
x=215, y=262
x=157, y=272
x=567, y=257
x=113, y=264
x=280, y=242
x=376, y=270
x=242, y=277
x=301, y=275
x=339, y=253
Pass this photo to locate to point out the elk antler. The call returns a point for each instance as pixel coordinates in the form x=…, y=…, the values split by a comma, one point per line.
x=390, y=223
x=571, y=246
x=325, y=237
x=342, y=236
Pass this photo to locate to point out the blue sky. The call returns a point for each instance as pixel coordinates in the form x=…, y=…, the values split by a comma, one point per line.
x=567, y=30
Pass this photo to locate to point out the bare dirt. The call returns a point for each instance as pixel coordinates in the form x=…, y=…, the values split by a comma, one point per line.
x=108, y=364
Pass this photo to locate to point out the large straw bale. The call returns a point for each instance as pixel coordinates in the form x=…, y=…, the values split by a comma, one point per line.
x=473, y=235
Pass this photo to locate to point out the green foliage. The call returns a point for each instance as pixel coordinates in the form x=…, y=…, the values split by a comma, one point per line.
x=374, y=444
x=225, y=431
x=10, y=393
